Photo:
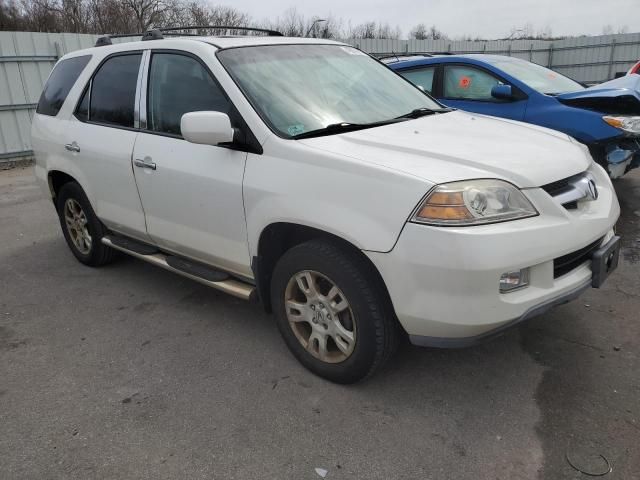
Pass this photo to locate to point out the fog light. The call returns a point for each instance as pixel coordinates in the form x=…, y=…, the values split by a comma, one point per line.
x=510, y=281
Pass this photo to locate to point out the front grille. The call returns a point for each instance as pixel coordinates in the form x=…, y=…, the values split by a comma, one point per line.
x=567, y=189
x=566, y=263
x=558, y=187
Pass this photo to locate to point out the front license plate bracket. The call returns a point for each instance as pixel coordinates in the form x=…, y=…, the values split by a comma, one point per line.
x=604, y=261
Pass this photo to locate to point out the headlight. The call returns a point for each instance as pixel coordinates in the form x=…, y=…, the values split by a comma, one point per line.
x=626, y=124
x=473, y=202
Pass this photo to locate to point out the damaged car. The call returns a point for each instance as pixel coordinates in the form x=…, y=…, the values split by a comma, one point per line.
x=604, y=117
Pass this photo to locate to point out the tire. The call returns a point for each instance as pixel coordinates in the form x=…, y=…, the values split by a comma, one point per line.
x=72, y=201
x=367, y=334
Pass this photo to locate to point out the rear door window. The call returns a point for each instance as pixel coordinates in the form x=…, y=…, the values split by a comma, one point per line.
x=55, y=92
x=112, y=92
x=422, y=77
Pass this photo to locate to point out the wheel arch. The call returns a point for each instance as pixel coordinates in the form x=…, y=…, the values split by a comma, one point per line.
x=56, y=179
x=278, y=237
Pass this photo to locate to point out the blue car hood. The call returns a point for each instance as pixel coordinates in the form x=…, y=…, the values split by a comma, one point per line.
x=629, y=85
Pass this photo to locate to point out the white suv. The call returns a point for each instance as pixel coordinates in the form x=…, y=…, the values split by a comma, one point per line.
x=305, y=174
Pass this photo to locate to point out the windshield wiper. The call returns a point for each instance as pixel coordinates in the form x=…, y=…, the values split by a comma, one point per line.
x=342, y=127
x=424, y=111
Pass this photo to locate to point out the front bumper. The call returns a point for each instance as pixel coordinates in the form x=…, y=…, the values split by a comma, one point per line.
x=620, y=156
x=444, y=282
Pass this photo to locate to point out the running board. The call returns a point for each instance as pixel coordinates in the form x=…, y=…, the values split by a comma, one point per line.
x=228, y=285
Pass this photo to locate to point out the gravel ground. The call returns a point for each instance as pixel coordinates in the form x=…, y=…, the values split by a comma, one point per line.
x=131, y=372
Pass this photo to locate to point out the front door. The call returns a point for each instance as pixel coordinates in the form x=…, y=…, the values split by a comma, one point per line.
x=191, y=194
x=469, y=88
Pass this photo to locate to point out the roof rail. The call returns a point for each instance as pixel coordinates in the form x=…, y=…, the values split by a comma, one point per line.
x=103, y=41
x=148, y=35
x=271, y=33
x=157, y=34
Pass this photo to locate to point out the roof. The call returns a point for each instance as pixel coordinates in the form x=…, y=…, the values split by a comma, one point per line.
x=247, y=41
x=474, y=57
x=219, y=42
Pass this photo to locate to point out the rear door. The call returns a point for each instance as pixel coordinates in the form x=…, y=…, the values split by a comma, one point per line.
x=192, y=194
x=101, y=136
x=468, y=87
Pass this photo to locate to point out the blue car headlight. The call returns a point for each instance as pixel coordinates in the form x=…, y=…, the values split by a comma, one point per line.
x=626, y=124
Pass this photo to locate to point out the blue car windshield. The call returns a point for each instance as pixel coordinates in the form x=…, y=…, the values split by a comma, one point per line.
x=538, y=77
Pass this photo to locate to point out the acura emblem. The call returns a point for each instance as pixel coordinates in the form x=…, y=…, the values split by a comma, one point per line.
x=585, y=186
x=593, y=189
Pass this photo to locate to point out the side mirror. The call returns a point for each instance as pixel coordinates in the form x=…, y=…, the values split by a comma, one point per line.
x=206, y=128
x=502, y=92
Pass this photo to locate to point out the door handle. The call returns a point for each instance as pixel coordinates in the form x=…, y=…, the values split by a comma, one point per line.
x=72, y=147
x=144, y=164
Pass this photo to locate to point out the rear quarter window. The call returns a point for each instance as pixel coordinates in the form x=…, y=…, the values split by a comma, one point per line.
x=55, y=92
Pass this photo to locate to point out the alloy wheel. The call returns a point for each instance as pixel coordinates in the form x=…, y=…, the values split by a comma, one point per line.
x=320, y=316
x=76, y=221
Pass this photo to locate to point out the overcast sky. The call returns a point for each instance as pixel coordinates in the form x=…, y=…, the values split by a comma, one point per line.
x=483, y=18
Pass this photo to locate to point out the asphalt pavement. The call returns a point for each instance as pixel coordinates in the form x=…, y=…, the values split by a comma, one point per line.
x=131, y=372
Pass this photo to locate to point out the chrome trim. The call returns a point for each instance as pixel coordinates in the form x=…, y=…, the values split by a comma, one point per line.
x=136, y=108
x=231, y=286
x=142, y=99
x=146, y=163
x=579, y=188
x=72, y=147
x=89, y=92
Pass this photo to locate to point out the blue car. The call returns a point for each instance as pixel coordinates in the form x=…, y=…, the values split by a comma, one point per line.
x=605, y=117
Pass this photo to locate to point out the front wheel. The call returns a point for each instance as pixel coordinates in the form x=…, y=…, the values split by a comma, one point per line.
x=332, y=311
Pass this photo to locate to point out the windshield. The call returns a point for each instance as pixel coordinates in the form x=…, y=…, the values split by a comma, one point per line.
x=303, y=88
x=538, y=77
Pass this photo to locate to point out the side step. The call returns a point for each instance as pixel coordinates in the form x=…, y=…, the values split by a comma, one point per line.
x=127, y=243
x=195, y=271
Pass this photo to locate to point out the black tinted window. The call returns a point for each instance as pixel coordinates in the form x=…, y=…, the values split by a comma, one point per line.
x=60, y=81
x=177, y=85
x=82, y=111
x=113, y=91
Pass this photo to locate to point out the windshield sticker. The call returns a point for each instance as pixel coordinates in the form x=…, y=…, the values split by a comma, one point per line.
x=464, y=82
x=295, y=129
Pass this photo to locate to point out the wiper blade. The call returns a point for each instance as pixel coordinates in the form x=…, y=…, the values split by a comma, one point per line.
x=424, y=111
x=342, y=127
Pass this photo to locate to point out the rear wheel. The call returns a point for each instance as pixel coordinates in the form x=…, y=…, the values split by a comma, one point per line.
x=332, y=311
x=81, y=228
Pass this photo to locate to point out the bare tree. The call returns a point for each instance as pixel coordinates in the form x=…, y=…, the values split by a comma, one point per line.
x=419, y=32
x=373, y=30
x=607, y=30
x=291, y=24
x=422, y=32
x=11, y=17
x=149, y=13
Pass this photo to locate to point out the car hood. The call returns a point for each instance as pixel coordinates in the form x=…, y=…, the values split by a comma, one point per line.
x=629, y=85
x=458, y=145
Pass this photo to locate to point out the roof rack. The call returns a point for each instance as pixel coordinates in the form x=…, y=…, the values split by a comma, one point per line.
x=159, y=33
x=270, y=33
